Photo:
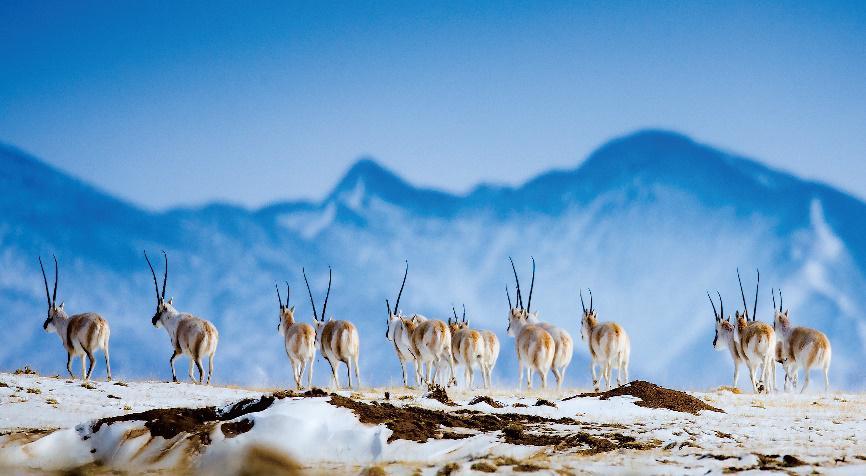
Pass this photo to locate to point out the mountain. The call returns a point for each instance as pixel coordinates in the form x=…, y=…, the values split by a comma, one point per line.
x=650, y=222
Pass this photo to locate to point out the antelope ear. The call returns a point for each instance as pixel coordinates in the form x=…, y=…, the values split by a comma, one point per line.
x=786, y=312
x=292, y=309
x=170, y=300
x=61, y=304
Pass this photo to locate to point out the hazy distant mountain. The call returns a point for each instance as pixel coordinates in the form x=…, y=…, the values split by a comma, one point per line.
x=650, y=222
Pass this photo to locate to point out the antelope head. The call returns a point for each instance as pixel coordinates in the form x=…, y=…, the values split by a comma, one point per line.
x=394, y=315
x=164, y=309
x=318, y=323
x=287, y=314
x=457, y=324
x=54, y=311
x=589, y=318
x=724, y=328
x=518, y=315
x=781, y=322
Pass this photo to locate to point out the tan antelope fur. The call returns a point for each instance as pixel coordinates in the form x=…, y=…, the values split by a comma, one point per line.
x=725, y=337
x=469, y=348
x=803, y=347
x=337, y=340
x=299, y=339
x=431, y=346
x=757, y=342
x=534, y=346
x=609, y=346
x=81, y=334
x=564, y=343
x=491, y=343
x=190, y=335
x=399, y=336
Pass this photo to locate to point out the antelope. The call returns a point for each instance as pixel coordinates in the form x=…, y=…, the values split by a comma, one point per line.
x=469, y=348
x=491, y=342
x=788, y=365
x=430, y=346
x=725, y=336
x=337, y=340
x=397, y=333
x=564, y=343
x=535, y=346
x=190, y=335
x=81, y=334
x=608, y=343
x=757, y=342
x=806, y=347
x=300, y=340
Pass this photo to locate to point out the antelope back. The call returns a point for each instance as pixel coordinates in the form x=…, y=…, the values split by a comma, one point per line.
x=809, y=347
x=340, y=339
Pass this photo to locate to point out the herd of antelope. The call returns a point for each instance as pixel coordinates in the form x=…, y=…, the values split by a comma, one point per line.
x=435, y=347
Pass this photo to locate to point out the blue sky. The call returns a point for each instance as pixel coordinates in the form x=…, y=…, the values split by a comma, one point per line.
x=167, y=104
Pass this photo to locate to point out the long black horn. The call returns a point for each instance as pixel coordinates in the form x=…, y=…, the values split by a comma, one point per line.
x=388, y=305
x=517, y=282
x=279, y=299
x=715, y=313
x=152, y=273
x=773, y=292
x=464, y=313
x=743, y=295
x=531, y=286
x=581, y=301
x=780, y=300
x=507, y=294
x=328, y=294
x=164, y=276
x=45, y=280
x=455, y=313
x=312, y=303
x=405, y=273
x=590, y=300
x=54, y=296
x=755, y=307
x=721, y=305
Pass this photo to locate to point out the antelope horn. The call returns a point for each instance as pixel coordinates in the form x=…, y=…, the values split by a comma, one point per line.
x=517, y=281
x=288, y=293
x=279, y=299
x=312, y=303
x=531, y=286
x=45, y=280
x=755, y=307
x=715, y=313
x=780, y=300
x=388, y=305
x=328, y=294
x=455, y=314
x=54, y=296
x=721, y=305
x=165, y=276
x=743, y=295
x=464, y=313
x=581, y=301
x=152, y=272
x=590, y=300
x=507, y=294
x=405, y=273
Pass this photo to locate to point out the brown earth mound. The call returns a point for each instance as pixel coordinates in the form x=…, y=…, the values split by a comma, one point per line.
x=654, y=396
x=439, y=394
x=485, y=399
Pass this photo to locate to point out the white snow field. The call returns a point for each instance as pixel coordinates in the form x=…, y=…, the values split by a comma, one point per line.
x=51, y=423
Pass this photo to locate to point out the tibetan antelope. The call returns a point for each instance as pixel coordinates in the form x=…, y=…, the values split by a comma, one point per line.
x=491, y=342
x=397, y=333
x=757, y=342
x=802, y=347
x=337, y=340
x=609, y=346
x=430, y=346
x=725, y=337
x=190, y=335
x=535, y=346
x=564, y=343
x=81, y=334
x=469, y=348
x=299, y=339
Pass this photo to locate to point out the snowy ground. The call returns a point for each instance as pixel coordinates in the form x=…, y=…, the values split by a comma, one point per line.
x=49, y=424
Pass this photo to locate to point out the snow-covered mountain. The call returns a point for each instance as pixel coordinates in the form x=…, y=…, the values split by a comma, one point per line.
x=650, y=222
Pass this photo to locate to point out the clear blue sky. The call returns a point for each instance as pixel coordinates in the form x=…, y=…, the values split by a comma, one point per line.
x=167, y=104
